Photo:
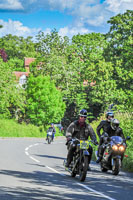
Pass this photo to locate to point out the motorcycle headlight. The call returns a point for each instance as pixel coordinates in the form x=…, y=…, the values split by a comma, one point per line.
x=121, y=148
x=115, y=148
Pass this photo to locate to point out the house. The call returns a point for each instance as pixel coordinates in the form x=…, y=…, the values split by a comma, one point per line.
x=21, y=77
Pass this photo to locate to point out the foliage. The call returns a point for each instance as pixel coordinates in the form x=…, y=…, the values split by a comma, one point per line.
x=16, y=64
x=9, y=91
x=18, y=47
x=119, y=52
x=44, y=101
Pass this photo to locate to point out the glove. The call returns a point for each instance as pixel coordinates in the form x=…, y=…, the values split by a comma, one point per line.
x=68, y=140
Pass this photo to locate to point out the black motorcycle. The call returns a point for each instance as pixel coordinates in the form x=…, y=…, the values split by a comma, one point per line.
x=80, y=162
x=113, y=154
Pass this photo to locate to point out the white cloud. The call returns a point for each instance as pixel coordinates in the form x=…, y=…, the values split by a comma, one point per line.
x=16, y=28
x=11, y=5
x=118, y=6
x=66, y=31
x=87, y=14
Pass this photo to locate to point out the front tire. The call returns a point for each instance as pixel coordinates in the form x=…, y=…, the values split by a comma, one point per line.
x=73, y=174
x=103, y=169
x=84, y=167
x=116, y=167
x=49, y=140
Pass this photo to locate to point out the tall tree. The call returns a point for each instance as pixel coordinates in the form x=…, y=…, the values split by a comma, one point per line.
x=119, y=52
x=12, y=97
x=44, y=101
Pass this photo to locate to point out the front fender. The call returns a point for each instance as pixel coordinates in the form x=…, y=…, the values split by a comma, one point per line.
x=117, y=157
x=86, y=153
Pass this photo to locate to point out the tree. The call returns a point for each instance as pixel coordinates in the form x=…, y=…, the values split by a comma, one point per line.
x=12, y=98
x=44, y=101
x=17, y=48
x=119, y=52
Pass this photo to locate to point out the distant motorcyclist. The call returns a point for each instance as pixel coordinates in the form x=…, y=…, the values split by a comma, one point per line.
x=81, y=130
x=51, y=129
x=115, y=130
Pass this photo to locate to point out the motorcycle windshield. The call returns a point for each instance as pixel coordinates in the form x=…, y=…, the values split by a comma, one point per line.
x=117, y=139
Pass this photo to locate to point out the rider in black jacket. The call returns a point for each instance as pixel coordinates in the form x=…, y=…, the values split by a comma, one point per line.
x=81, y=130
x=113, y=130
x=104, y=125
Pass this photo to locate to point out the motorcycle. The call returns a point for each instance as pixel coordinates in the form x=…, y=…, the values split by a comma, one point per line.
x=49, y=137
x=113, y=154
x=80, y=162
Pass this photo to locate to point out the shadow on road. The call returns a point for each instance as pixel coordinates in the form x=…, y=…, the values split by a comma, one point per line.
x=47, y=156
x=40, y=185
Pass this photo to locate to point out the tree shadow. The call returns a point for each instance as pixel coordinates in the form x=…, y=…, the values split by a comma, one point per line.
x=47, y=156
x=41, y=185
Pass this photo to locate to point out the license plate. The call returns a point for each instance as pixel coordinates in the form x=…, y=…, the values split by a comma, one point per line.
x=84, y=144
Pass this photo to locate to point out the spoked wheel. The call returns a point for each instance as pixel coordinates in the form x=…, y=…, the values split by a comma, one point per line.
x=83, y=168
x=103, y=169
x=116, y=167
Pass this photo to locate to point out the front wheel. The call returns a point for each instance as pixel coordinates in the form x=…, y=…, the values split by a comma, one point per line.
x=83, y=168
x=73, y=174
x=116, y=167
x=49, y=140
x=103, y=169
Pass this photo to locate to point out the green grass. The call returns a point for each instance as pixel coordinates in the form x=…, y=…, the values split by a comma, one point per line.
x=10, y=128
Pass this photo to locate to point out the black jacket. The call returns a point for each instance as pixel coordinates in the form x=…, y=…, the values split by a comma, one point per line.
x=117, y=132
x=105, y=126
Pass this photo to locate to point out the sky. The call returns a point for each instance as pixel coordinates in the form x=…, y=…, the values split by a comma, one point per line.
x=69, y=17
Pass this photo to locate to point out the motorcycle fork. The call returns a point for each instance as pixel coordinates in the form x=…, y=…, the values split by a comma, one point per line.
x=114, y=158
x=76, y=161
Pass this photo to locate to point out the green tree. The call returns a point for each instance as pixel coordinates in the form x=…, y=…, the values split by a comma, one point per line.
x=12, y=97
x=17, y=48
x=44, y=101
x=119, y=52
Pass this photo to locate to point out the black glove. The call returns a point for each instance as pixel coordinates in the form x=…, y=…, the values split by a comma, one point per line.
x=68, y=140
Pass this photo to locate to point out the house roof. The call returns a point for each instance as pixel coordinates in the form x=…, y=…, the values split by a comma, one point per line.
x=19, y=74
x=27, y=61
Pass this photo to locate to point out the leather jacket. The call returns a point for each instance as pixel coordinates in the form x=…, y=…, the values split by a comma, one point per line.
x=80, y=132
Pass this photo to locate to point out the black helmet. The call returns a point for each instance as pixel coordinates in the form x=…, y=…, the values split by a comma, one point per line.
x=115, y=124
x=109, y=114
x=83, y=113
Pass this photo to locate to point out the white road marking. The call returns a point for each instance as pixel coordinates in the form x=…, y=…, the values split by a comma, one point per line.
x=55, y=171
x=34, y=159
x=27, y=153
x=99, y=193
x=82, y=185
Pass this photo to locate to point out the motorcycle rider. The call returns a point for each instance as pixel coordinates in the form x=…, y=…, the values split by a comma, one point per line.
x=81, y=130
x=106, y=127
x=51, y=129
x=114, y=130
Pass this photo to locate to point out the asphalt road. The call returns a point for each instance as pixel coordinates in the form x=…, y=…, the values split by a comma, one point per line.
x=31, y=169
